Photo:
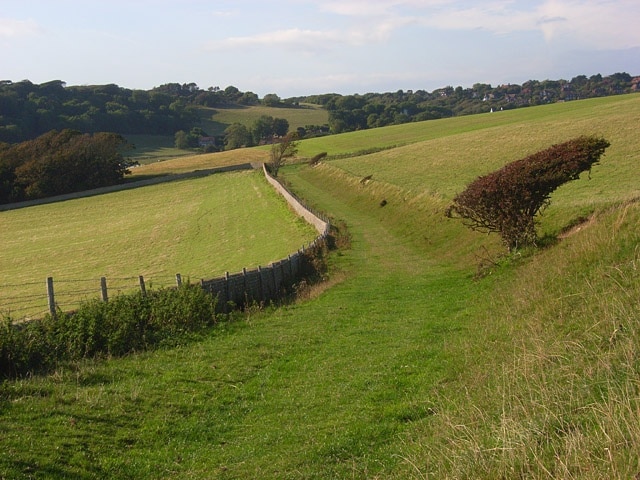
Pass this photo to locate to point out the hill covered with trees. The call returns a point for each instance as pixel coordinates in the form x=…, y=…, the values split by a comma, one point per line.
x=356, y=112
x=28, y=110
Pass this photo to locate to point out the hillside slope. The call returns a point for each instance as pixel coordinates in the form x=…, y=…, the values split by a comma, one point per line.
x=427, y=353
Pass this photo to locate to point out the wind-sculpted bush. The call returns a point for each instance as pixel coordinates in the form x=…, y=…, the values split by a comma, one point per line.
x=507, y=200
x=123, y=325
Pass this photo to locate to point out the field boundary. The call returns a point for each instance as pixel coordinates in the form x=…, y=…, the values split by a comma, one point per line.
x=263, y=284
x=127, y=186
x=258, y=285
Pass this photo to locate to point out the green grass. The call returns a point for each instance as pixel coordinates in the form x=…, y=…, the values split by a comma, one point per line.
x=425, y=164
x=407, y=364
x=153, y=148
x=215, y=121
x=199, y=228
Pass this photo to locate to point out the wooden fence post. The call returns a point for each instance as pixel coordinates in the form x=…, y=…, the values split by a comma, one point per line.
x=261, y=284
x=227, y=292
x=143, y=289
x=244, y=278
x=291, y=273
x=275, y=281
x=103, y=289
x=50, y=296
x=283, y=273
x=178, y=280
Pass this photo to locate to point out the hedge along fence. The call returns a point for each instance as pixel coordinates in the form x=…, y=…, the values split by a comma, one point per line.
x=259, y=285
x=268, y=283
x=134, y=322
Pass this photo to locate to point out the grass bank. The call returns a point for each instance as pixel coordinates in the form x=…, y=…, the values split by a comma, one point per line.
x=411, y=365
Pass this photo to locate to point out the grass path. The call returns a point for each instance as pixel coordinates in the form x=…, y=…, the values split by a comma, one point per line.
x=378, y=347
x=329, y=388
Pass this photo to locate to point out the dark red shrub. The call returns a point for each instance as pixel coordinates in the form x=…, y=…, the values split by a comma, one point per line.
x=507, y=200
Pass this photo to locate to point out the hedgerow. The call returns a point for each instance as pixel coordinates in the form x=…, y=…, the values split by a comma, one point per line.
x=125, y=324
x=507, y=200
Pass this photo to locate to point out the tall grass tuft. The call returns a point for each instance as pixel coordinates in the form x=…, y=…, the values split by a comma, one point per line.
x=570, y=394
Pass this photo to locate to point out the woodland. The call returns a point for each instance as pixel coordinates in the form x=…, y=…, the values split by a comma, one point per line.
x=28, y=110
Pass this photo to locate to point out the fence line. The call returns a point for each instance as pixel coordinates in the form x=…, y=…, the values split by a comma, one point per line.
x=261, y=284
x=125, y=186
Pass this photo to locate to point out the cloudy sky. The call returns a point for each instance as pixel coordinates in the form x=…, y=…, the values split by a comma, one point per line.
x=303, y=47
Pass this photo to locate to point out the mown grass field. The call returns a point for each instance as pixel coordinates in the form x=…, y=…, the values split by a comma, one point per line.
x=216, y=120
x=199, y=228
x=427, y=354
x=203, y=161
x=153, y=148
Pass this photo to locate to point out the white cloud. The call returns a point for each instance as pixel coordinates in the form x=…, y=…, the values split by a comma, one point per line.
x=10, y=28
x=377, y=7
x=602, y=24
x=293, y=38
x=597, y=24
x=310, y=40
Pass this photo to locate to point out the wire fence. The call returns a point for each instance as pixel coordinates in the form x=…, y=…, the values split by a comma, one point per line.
x=31, y=300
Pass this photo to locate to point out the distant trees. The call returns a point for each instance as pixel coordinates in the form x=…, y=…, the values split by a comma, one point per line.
x=263, y=130
x=186, y=140
x=280, y=127
x=371, y=110
x=60, y=162
x=507, y=200
x=237, y=135
x=28, y=110
x=271, y=100
x=249, y=98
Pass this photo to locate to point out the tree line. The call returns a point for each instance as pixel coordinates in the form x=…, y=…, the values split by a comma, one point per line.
x=371, y=110
x=28, y=110
x=60, y=162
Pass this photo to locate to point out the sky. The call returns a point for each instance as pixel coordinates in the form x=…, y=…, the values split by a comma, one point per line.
x=303, y=47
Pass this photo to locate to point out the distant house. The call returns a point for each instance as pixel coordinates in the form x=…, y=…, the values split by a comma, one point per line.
x=206, y=141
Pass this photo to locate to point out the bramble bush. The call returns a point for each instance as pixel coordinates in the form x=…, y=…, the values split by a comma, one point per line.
x=123, y=325
x=507, y=200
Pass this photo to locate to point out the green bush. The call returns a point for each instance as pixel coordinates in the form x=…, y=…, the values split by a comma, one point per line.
x=25, y=347
x=125, y=324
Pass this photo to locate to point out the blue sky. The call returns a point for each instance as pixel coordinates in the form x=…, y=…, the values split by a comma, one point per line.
x=300, y=47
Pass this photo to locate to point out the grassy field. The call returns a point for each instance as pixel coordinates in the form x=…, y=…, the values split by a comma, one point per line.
x=215, y=121
x=150, y=149
x=204, y=161
x=153, y=148
x=428, y=353
x=485, y=142
x=199, y=228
